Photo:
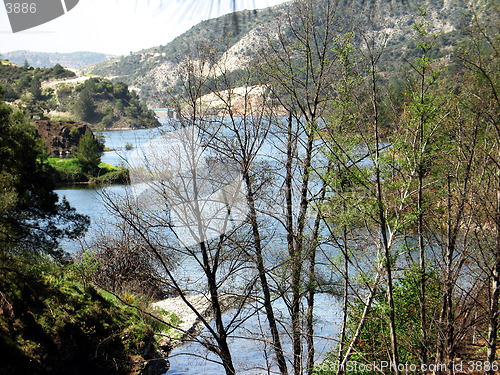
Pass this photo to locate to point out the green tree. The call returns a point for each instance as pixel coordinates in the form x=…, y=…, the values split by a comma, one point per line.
x=31, y=218
x=58, y=70
x=36, y=88
x=85, y=106
x=89, y=152
x=375, y=338
x=120, y=90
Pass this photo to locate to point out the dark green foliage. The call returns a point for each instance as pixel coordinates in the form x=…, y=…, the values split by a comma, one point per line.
x=100, y=99
x=36, y=88
x=21, y=79
x=120, y=90
x=97, y=100
x=53, y=325
x=89, y=152
x=84, y=106
x=31, y=218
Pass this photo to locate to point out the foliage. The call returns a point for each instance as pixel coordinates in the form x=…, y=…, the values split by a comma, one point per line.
x=49, y=323
x=31, y=217
x=97, y=101
x=84, y=106
x=69, y=170
x=20, y=79
x=374, y=342
x=52, y=324
x=110, y=105
x=89, y=153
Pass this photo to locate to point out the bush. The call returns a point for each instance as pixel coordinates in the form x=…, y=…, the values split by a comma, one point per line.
x=52, y=324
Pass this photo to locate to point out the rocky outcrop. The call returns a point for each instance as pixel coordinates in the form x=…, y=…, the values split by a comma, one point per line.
x=61, y=137
x=156, y=362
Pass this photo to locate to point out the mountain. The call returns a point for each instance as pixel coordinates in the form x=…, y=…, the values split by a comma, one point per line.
x=237, y=38
x=75, y=60
x=152, y=70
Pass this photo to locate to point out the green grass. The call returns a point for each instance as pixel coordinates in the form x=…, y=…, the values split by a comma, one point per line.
x=72, y=163
x=70, y=170
x=60, y=163
x=105, y=167
x=52, y=322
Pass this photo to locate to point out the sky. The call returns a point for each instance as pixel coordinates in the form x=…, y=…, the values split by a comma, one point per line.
x=117, y=27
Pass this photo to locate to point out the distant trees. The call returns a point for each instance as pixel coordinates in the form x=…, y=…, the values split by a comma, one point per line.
x=99, y=97
x=85, y=106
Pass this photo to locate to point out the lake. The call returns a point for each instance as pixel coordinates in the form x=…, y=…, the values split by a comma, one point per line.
x=249, y=355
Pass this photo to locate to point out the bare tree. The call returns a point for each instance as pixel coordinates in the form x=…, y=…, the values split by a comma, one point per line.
x=239, y=136
x=300, y=68
x=481, y=57
x=184, y=198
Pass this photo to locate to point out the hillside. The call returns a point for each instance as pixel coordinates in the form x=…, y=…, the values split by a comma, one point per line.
x=153, y=71
x=59, y=94
x=73, y=60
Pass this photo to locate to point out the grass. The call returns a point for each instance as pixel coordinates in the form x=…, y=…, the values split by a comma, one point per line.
x=60, y=163
x=51, y=322
x=69, y=170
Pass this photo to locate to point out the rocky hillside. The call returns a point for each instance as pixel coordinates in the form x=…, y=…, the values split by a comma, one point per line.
x=153, y=71
x=61, y=137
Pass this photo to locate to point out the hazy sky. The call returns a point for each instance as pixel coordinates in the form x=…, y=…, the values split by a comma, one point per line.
x=117, y=26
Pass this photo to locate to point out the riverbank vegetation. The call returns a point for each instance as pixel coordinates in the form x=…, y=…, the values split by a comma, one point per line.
x=51, y=320
x=70, y=171
x=359, y=170
x=51, y=323
x=85, y=166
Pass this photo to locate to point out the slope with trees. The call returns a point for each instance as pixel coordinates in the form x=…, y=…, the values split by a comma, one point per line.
x=357, y=169
x=97, y=101
x=49, y=321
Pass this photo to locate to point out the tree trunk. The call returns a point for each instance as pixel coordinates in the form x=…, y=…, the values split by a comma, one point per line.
x=345, y=306
x=221, y=338
x=495, y=287
x=359, y=329
x=312, y=288
x=383, y=222
x=278, y=350
x=295, y=261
